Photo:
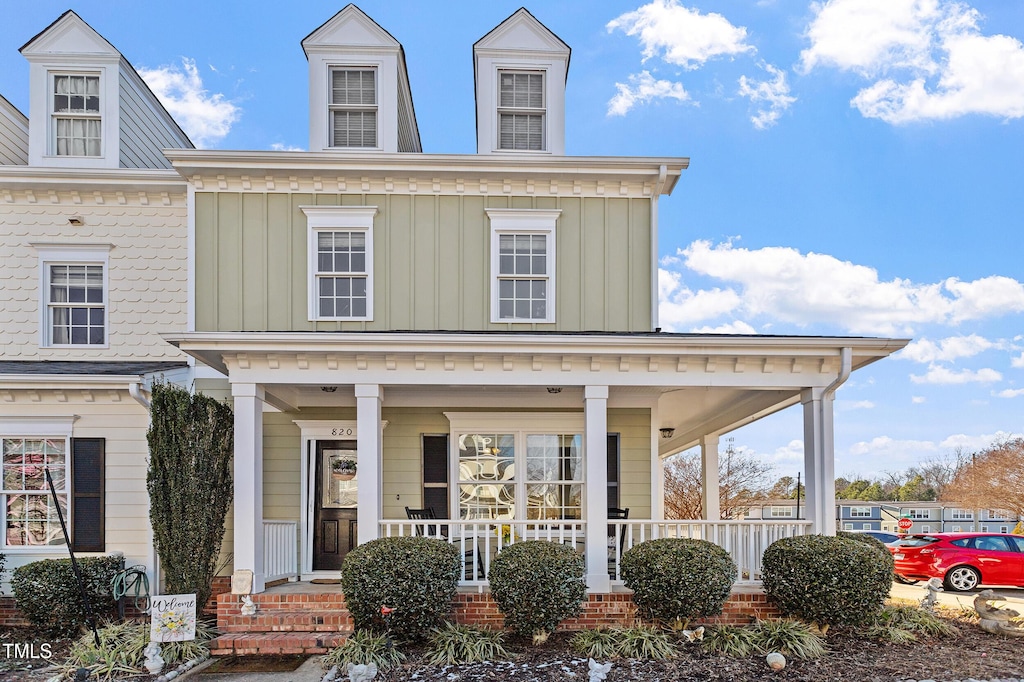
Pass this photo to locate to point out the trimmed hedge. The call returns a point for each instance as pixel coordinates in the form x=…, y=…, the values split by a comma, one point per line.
x=49, y=597
x=827, y=580
x=538, y=584
x=415, y=576
x=678, y=579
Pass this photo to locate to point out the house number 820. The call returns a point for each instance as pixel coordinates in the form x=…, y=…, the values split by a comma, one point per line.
x=342, y=432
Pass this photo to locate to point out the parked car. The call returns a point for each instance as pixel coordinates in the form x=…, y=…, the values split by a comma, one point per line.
x=885, y=536
x=962, y=560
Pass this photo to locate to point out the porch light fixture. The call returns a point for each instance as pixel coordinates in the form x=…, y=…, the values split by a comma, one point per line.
x=328, y=389
x=554, y=389
x=667, y=432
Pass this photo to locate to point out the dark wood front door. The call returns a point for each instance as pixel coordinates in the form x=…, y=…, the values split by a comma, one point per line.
x=334, y=515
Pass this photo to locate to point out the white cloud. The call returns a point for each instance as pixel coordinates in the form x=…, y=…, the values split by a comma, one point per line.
x=1011, y=393
x=1018, y=363
x=773, y=96
x=938, y=374
x=884, y=445
x=206, y=118
x=918, y=399
x=930, y=55
x=642, y=89
x=974, y=443
x=680, y=35
x=855, y=404
x=737, y=327
x=282, y=147
x=806, y=289
x=946, y=350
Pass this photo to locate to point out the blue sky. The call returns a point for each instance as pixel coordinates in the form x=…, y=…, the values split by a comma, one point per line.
x=855, y=167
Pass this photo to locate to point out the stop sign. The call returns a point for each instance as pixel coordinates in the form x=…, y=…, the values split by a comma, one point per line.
x=905, y=524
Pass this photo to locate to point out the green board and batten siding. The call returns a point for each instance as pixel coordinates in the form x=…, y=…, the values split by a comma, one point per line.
x=431, y=262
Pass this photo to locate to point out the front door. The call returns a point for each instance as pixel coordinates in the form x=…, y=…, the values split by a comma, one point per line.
x=334, y=515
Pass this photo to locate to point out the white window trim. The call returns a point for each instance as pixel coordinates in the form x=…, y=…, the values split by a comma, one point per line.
x=919, y=514
x=961, y=515
x=332, y=107
x=545, y=146
x=860, y=512
x=39, y=427
x=51, y=127
x=71, y=254
x=783, y=512
x=329, y=218
x=847, y=526
x=523, y=221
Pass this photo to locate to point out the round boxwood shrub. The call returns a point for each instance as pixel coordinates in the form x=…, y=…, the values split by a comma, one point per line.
x=826, y=580
x=678, y=579
x=537, y=585
x=415, y=576
x=48, y=595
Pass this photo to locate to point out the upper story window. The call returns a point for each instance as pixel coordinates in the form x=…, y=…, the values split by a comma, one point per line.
x=962, y=515
x=340, y=262
x=353, y=107
x=860, y=512
x=522, y=265
x=783, y=512
x=77, y=123
x=521, y=110
x=918, y=514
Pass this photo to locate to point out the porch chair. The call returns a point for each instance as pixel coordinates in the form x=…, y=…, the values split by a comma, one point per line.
x=469, y=556
x=616, y=513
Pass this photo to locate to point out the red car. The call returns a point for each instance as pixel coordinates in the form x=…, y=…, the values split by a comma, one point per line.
x=962, y=560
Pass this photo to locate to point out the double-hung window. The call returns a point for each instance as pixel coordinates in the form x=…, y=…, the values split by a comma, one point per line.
x=340, y=262
x=962, y=515
x=30, y=514
x=77, y=123
x=860, y=512
x=521, y=110
x=783, y=512
x=73, y=283
x=353, y=107
x=522, y=265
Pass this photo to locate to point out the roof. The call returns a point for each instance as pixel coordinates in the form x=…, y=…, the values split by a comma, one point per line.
x=85, y=368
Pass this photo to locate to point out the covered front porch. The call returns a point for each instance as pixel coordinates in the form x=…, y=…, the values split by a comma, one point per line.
x=506, y=438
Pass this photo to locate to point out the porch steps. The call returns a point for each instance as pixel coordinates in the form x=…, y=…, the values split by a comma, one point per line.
x=295, y=621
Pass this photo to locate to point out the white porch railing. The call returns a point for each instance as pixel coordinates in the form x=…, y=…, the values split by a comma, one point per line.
x=480, y=541
x=745, y=541
x=280, y=550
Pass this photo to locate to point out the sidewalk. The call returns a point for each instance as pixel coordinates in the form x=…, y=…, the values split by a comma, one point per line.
x=310, y=671
x=915, y=593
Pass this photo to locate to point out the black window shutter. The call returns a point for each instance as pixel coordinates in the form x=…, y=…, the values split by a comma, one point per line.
x=87, y=494
x=613, y=470
x=435, y=474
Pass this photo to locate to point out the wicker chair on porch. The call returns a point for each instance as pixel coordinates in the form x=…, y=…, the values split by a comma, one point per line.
x=470, y=557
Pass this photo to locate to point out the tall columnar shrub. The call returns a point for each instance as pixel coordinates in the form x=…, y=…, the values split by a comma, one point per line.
x=537, y=585
x=189, y=483
x=48, y=595
x=826, y=580
x=415, y=576
x=678, y=579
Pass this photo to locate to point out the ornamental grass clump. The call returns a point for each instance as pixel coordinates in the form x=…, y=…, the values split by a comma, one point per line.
x=675, y=580
x=453, y=644
x=48, y=595
x=637, y=642
x=537, y=585
x=899, y=624
x=415, y=578
x=730, y=640
x=826, y=580
x=789, y=637
x=122, y=651
x=362, y=648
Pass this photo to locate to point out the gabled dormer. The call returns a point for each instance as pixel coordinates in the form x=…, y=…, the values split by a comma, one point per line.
x=359, y=94
x=88, y=108
x=520, y=69
x=13, y=135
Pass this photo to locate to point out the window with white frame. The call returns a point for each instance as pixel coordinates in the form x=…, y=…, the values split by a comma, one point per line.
x=353, y=107
x=77, y=123
x=926, y=529
x=783, y=512
x=340, y=244
x=860, y=512
x=956, y=529
x=865, y=526
x=847, y=526
x=73, y=283
x=961, y=514
x=521, y=110
x=522, y=265
x=918, y=514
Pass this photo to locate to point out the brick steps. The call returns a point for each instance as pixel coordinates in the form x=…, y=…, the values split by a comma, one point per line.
x=269, y=643
x=289, y=620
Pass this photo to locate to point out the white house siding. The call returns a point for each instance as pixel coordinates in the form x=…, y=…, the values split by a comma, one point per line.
x=13, y=135
x=114, y=416
x=145, y=128
x=147, y=277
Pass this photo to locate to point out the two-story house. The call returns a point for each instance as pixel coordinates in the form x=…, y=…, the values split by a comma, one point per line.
x=93, y=243
x=478, y=334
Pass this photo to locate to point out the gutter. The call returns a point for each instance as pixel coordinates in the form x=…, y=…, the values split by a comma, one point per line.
x=845, y=367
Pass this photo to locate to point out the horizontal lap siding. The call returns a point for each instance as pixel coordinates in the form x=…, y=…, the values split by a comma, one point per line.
x=431, y=262
x=13, y=135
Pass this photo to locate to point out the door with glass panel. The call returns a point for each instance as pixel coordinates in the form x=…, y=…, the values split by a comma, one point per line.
x=334, y=516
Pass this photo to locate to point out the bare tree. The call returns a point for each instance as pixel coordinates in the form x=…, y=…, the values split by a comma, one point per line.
x=993, y=479
x=743, y=480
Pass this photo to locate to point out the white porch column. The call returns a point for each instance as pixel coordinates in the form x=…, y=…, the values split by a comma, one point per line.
x=368, y=460
x=710, y=504
x=248, y=481
x=819, y=461
x=595, y=505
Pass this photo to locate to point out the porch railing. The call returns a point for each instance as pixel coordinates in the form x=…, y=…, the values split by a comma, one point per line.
x=280, y=549
x=480, y=541
x=745, y=541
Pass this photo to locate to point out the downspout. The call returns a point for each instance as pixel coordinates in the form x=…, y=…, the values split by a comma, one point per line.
x=135, y=391
x=845, y=367
x=659, y=185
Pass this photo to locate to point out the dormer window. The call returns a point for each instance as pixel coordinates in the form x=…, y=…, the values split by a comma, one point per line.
x=353, y=107
x=77, y=123
x=521, y=110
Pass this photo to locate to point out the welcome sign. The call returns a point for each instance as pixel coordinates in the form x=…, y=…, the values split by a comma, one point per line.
x=173, y=618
